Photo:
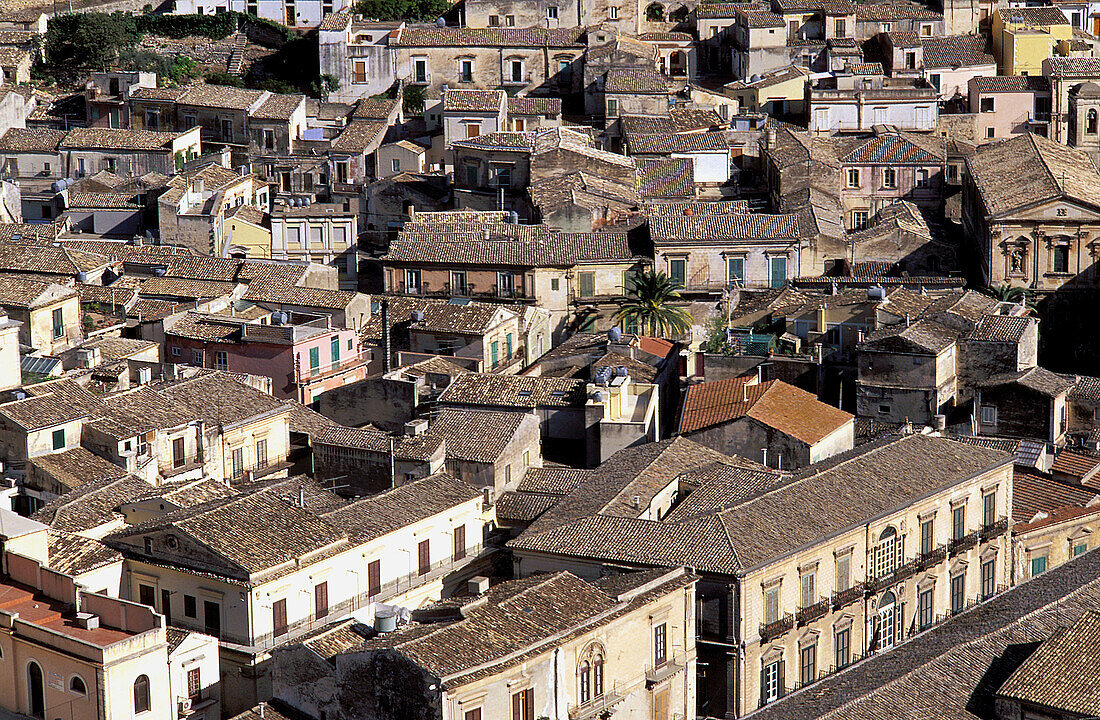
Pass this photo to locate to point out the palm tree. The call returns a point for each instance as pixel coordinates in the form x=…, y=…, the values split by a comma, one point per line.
x=1008, y=293
x=649, y=305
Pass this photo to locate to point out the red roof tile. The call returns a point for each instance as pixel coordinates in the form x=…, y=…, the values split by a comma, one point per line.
x=1032, y=494
x=1075, y=465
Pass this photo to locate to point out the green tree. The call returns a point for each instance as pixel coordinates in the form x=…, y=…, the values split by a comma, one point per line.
x=649, y=305
x=415, y=10
x=414, y=100
x=88, y=41
x=1008, y=293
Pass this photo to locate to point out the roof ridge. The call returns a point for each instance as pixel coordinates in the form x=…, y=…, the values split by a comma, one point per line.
x=1043, y=160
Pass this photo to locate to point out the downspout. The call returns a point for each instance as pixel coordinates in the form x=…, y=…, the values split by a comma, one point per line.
x=557, y=654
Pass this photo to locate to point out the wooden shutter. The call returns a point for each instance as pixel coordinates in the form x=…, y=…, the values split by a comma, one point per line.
x=460, y=542
x=782, y=678
x=529, y=704
x=517, y=706
x=424, y=557
x=278, y=612
x=374, y=577
x=660, y=705
x=320, y=599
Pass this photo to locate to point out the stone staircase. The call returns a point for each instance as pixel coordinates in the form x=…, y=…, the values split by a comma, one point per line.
x=236, y=56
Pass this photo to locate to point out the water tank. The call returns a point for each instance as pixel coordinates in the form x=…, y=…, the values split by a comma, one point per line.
x=598, y=396
x=876, y=293
x=614, y=334
x=418, y=316
x=82, y=277
x=56, y=186
x=440, y=22
x=621, y=371
x=513, y=217
x=385, y=621
x=68, y=182
x=279, y=318
x=160, y=272
x=19, y=395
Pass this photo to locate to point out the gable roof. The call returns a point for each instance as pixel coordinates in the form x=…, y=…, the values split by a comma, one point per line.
x=776, y=404
x=377, y=515
x=476, y=435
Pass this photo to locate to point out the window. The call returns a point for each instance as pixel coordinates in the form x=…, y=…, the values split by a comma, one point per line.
x=197, y=358
x=523, y=705
x=59, y=323
x=458, y=282
x=36, y=690
x=1080, y=548
x=212, y=618
x=889, y=178
x=189, y=606
x=269, y=139
x=859, y=219
x=221, y=360
x=586, y=681
x=792, y=30
x=412, y=281
x=771, y=605
x=778, y=270
x=320, y=599
x=612, y=107
x=735, y=270
x=459, y=543
x=807, y=657
x=990, y=133
x=261, y=453
x=958, y=522
x=110, y=165
x=420, y=70
x=278, y=618
x=141, y=694
x=495, y=352
x=886, y=553
x=335, y=350
x=147, y=593
x=660, y=645
x=841, y=29
x=586, y=284
x=934, y=78
x=502, y=176
x=179, y=454
x=519, y=124
x=237, y=460
x=194, y=684
x=910, y=60
x=986, y=105
x=853, y=177
x=927, y=538
x=809, y=591
x=551, y=12
x=771, y=682
x=989, y=415
x=474, y=714
x=76, y=685
x=989, y=578
x=424, y=558
x=1038, y=565
x=517, y=70
x=843, y=572
x=374, y=577
x=494, y=21
x=925, y=609
x=506, y=284
x=843, y=647
x=314, y=361
x=887, y=620
x=290, y=15
x=958, y=593
x=989, y=508
x=1061, y=258
x=166, y=606
x=58, y=437
x=466, y=71
x=922, y=178
x=613, y=12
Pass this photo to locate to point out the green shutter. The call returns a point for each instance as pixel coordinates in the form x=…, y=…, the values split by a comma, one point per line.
x=508, y=345
x=496, y=353
x=59, y=439
x=314, y=360
x=779, y=272
x=335, y=350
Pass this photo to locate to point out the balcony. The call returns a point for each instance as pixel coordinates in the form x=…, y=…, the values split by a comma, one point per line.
x=845, y=598
x=993, y=530
x=897, y=575
x=421, y=79
x=308, y=375
x=808, y=614
x=597, y=707
x=931, y=558
x=773, y=630
x=961, y=545
x=667, y=669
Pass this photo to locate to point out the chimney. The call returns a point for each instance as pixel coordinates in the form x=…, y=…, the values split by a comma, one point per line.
x=387, y=358
x=745, y=391
x=770, y=137
x=478, y=585
x=416, y=427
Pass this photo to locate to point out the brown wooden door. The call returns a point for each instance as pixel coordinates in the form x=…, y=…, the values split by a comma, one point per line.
x=278, y=612
x=374, y=577
x=424, y=557
x=178, y=453
x=460, y=542
x=320, y=599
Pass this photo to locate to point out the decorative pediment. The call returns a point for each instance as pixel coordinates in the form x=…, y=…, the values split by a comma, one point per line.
x=1059, y=211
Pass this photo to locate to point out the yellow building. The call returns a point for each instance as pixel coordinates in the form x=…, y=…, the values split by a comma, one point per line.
x=779, y=91
x=1024, y=37
x=248, y=230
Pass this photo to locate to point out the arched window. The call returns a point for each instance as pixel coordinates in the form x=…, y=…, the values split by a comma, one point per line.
x=886, y=552
x=141, y=694
x=590, y=672
x=677, y=63
x=76, y=685
x=655, y=11
x=887, y=615
x=597, y=676
x=36, y=691
x=1090, y=122
x=679, y=14
x=586, y=681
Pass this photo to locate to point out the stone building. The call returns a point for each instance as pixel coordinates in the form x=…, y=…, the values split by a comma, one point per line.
x=1029, y=210
x=787, y=595
x=358, y=53
x=1007, y=106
